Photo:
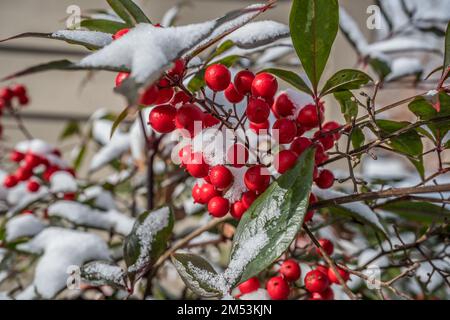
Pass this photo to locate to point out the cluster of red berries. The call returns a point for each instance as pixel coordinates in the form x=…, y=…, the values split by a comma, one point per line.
x=35, y=168
x=7, y=97
x=317, y=282
x=177, y=109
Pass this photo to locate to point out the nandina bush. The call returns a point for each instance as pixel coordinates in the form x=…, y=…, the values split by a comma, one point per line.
x=223, y=183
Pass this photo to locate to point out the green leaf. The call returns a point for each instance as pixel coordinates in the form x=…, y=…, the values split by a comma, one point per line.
x=420, y=211
x=195, y=272
x=292, y=78
x=425, y=111
x=349, y=107
x=224, y=47
x=101, y=25
x=147, y=241
x=357, y=138
x=314, y=25
x=345, y=80
x=119, y=120
x=121, y=11
x=99, y=273
x=381, y=67
x=409, y=143
x=136, y=12
x=272, y=222
x=72, y=128
x=80, y=156
x=447, y=48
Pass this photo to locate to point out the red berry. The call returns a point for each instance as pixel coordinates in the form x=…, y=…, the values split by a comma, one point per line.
x=220, y=177
x=203, y=193
x=249, y=286
x=23, y=174
x=321, y=155
x=257, y=178
x=32, y=160
x=164, y=95
x=308, y=116
x=333, y=278
x=209, y=120
x=19, y=90
x=24, y=100
x=277, y=288
x=283, y=106
x=300, y=144
x=327, y=246
x=49, y=172
x=237, y=155
x=180, y=97
x=258, y=111
x=120, y=33
x=218, y=206
x=331, y=126
x=163, y=83
x=162, y=118
x=149, y=96
x=185, y=155
x=264, y=85
x=197, y=166
x=16, y=156
x=243, y=81
x=325, y=179
x=237, y=210
x=248, y=198
x=322, y=269
x=260, y=128
x=233, y=95
x=316, y=281
x=70, y=196
x=308, y=216
x=290, y=270
x=178, y=69
x=188, y=117
x=217, y=77
x=33, y=186
x=10, y=181
x=6, y=94
x=328, y=294
x=327, y=140
x=284, y=130
x=121, y=76
x=284, y=160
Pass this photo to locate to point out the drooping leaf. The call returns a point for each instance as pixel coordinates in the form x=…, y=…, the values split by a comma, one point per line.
x=357, y=138
x=80, y=156
x=447, y=48
x=136, y=12
x=99, y=273
x=101, y=25
x=121, y=11
x=119, y=120
x=147, y=241
x=272, y=222
x=314, y=25
x=197, y=274
x=290, y=77
x=420, y=211
x=381, y=67
x=345, y=80
x=349, y=107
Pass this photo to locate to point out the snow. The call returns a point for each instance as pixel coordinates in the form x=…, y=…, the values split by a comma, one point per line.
x=171, y=15
x=100, y=270
x=402, y=67
x=146, y=232
x=83, y=215
x=20, y=198
x=25, y=225
x=275, y=53
x=406, y=44
x=359, y=208
x=258, y=33
x=234, y=193
x=91, y=38
x=61, y=248
x=260, y=294
x=101, y=198
x=63, y=181
x=384, y=168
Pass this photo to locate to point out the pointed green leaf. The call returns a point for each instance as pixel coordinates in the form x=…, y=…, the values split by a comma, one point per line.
x=314, y=25
x=408, y=143
x=147, y=241
x=345, y=80
x=101, y=25
x=119, y=120
x=197, y=274
x=72, y=128
x=99, y=273
x=290, y=77
x=447, y=48
x=272, y=222
x=121, y=11
x=136, y=12
x=420, y=211
x=349, y=107
x=357, y=138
